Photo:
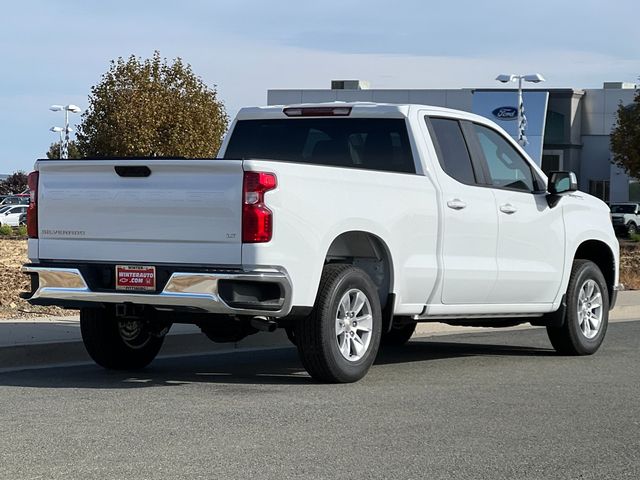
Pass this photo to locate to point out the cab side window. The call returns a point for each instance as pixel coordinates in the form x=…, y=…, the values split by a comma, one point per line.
x=507, y=168
x=451, y=148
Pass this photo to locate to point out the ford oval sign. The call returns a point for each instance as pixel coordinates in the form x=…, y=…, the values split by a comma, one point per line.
x=505, y=113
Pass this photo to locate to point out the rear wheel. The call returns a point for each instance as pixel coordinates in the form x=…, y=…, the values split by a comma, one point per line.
x=119, y=343
x=587, y=314
x=632, y=229
x=339, y=341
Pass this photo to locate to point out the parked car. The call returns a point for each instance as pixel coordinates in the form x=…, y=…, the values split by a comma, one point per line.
x=11, y=216
x=625, y=218
x=15, y=200
x=345, y=224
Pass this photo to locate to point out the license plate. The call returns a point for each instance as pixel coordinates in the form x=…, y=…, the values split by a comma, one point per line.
x=135, y=277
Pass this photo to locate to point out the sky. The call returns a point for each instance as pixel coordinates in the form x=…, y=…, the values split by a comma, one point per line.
x=53, y=52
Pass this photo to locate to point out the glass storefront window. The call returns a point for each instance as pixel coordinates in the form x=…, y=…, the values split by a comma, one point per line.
x=600, y=189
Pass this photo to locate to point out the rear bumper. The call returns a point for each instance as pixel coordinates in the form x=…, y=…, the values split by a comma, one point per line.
x=184, y=290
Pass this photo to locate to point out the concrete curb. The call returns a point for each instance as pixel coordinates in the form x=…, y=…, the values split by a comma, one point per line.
x=35, y=343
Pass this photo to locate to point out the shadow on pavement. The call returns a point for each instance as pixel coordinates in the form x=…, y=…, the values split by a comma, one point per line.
x=423, y=350
x=279, y=366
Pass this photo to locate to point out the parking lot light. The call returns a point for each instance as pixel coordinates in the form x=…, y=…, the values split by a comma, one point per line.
x=522, y=119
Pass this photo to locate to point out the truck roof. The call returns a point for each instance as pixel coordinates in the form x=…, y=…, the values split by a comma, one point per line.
x=358, y=109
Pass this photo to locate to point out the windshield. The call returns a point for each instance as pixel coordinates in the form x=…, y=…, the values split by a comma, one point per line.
x=366, y=143
x=623, y=208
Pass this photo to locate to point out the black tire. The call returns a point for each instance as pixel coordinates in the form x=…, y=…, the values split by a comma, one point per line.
x=101, y=334
x=316, y=335
x=570, y=338
x=632, y=229
x=291, y=335
x=401, y=331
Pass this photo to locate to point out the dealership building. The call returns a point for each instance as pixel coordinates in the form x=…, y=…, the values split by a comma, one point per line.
x=567, y=129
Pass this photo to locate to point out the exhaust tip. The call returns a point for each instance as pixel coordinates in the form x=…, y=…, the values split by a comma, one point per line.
x=264, y=324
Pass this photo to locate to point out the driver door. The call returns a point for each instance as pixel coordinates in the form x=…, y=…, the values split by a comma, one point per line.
x=531, y=235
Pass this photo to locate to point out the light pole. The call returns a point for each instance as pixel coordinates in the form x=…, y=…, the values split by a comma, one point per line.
x=64, y=146
x=60, y=130
x=534, y=78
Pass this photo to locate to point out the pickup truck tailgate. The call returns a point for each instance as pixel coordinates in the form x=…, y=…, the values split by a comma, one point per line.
x=184, y=211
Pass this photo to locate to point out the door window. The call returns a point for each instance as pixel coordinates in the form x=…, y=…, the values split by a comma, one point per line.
x=507, y=168
x=452, y=151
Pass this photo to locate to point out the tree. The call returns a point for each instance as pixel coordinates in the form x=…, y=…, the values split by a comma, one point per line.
x=151, y=108
x=14, y=183
x=73, y=151
x=625, y=137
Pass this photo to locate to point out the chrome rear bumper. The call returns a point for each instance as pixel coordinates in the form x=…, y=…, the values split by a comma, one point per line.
x=64, y=286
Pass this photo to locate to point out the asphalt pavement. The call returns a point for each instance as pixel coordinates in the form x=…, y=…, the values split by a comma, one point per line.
x=490, y=405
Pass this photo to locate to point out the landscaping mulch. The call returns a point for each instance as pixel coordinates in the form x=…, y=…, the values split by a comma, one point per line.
x=13, y=254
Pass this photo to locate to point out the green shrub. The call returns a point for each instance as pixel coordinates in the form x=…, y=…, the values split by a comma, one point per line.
x=21, y=231
x=635, y=237
x=6, y=230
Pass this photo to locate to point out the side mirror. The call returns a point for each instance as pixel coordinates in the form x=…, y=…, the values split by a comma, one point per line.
x=562, y=182
x=559, y=184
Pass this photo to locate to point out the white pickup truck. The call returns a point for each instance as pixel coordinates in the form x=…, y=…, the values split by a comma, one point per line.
x=344, y=223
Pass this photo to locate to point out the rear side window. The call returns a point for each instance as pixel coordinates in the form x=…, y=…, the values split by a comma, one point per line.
x=366, y=143
x=453, y=154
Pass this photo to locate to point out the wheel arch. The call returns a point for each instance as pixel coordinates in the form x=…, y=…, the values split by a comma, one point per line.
x=601, y=254
x=370, y=253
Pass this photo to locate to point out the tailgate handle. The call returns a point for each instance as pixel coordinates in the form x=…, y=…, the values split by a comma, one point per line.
x=133, y=171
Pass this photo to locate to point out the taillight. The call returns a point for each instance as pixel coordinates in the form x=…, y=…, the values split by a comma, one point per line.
x=257, y=219
x=32, y=210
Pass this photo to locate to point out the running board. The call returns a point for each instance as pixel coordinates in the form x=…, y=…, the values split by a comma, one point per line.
x=483, y=316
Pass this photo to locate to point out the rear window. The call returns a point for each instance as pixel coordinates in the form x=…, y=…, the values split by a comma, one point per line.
x=367, y=143
x=623, y=208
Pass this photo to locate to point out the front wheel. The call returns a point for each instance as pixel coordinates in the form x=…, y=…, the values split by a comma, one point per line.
x=632, y=229
x=587, y=314
x=339, y=341
x=118, y=343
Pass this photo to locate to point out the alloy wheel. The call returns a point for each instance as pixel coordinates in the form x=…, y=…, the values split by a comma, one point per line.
x=590, y=309
x=353, y=325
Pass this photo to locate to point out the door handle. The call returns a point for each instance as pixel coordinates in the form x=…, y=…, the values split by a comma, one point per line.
x=456, y=204
x=508, y=209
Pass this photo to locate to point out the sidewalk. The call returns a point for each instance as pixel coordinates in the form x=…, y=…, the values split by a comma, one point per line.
x=36, y=341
